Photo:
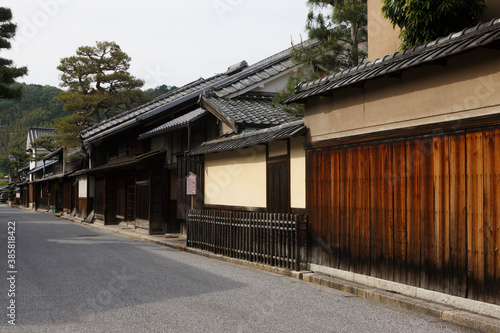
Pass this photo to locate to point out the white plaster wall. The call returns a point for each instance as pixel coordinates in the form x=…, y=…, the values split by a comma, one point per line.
x=236, y=178
x=298, y=173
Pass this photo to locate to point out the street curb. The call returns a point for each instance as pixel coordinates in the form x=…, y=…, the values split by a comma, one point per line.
x=448, y=313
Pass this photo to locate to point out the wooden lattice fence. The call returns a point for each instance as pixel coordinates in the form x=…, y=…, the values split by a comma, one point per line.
x=273, y=239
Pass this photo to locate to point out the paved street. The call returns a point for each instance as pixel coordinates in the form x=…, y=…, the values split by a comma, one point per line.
x=75, y=278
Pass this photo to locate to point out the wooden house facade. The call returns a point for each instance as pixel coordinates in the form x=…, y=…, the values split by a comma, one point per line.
x=54, y=184
x=139, y=159
x=403, y=167
x=132, y=175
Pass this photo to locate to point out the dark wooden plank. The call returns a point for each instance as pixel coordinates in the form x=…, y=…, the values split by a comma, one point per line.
x=441, y=214
x=458, y=216
x=364, y=209
x=335, y=204
x=398, y=177
x=326, y=206
x=413, y=213
x=426, y=207
x=491, y=215
x=387, y=213
x=355, y=188
x=376, y=194
x=316, y=210
x=475, y=215
x=344, y=220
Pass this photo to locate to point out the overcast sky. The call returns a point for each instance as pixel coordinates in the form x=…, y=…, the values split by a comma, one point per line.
x=170, y=42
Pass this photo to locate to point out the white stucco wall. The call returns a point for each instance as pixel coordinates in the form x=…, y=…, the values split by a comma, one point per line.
x=297, y=173
x=236, y=178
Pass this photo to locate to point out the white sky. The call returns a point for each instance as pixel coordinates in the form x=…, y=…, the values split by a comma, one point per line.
x=170, y=42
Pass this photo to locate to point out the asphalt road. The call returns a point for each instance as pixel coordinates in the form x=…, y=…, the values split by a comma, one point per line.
x=74, y=278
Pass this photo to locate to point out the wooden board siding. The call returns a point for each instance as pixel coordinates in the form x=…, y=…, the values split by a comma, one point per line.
x=278, y=185
x=99, y=203
x=69, y=195
x=185, y=165
x=421, y=211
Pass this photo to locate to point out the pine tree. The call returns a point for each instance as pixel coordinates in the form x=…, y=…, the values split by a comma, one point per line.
x=340, y=26
x=8, y=72
x=98, y=81
x=338, y=37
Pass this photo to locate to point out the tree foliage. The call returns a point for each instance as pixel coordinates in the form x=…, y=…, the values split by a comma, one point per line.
x=8, y=72
x=426, y=20
x=338, y=37
x=98, y=81
x=37, y=107
x=18, y=160
x=47, y=142
x=341, y=28
x=152, y=93
x=68, y=129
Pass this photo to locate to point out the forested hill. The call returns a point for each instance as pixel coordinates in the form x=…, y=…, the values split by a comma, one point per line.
x=38, y=107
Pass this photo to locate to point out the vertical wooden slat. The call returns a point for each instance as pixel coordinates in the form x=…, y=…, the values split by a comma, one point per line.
x=314, y=195
x=491, y=215
x=344, y=221
x=376, y=194
x=335, y=204
x=441, y=214
x=426, y=208
x=387, y=213
x=475, y=244
x=364, y=208
x=354, y=208
x=398, y=177
x=458, y=216
x=326, y=216
x=412, y=213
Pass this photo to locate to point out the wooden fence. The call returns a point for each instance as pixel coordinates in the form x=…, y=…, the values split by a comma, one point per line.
x=273, y=239
x=423, y=212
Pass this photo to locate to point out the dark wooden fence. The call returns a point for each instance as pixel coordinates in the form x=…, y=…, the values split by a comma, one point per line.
x=273, y=239
x=422, y=211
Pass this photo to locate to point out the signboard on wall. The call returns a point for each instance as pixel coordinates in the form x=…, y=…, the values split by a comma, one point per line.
x=191, y=184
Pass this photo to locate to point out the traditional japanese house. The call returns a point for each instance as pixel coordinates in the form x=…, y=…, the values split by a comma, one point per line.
x=138, y=159
x=403, y=167
x=54, y=184
x=36, y=163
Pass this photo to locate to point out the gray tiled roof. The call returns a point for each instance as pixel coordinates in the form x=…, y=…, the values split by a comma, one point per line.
x=259, y=72
x=246, y=111
x=236, y=80
x=480, y=35
x=284, y=131
x=127, y=118
x=36, y=132
x=175, y=123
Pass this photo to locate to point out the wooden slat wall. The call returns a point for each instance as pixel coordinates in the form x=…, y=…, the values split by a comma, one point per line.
x=423, y=211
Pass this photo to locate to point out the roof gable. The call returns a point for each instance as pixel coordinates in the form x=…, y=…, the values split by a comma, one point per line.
x=175, y=123
x=250, y=138
x=36, y=132
x=246, y=111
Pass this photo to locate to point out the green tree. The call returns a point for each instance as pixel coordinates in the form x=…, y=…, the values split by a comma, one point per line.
x=68, y=129
x=98, y=81
x=426, y=20
x=47, y=142
x=338, y=35
x=152, y=93
x=8, y=72
x=18, y=160
x=340, y=26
